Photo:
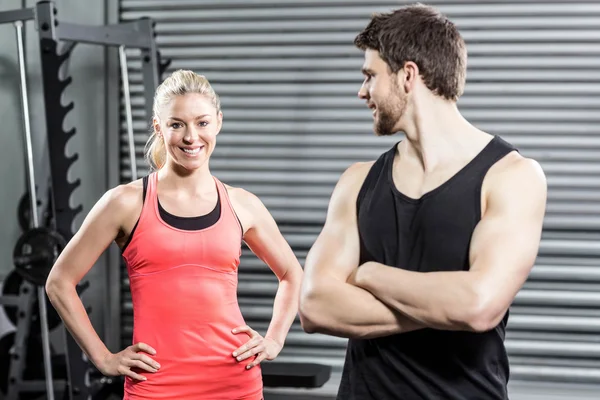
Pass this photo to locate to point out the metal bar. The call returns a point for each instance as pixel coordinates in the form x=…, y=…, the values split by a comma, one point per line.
x=129, y=118
x=29, y=386
x=150, y=67
x=11, y=301
x=26, y=124
x=24, y=14
x=60, y=164
x=150, y=70
x=112, y=287
x=108, y=35
x=34, y=214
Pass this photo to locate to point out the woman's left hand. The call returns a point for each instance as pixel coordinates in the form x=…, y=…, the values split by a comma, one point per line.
x=262, y=348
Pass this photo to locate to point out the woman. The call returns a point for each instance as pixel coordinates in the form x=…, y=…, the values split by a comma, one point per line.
x=180, y=231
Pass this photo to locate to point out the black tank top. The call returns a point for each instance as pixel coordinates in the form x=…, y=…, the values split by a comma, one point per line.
x=432, y=233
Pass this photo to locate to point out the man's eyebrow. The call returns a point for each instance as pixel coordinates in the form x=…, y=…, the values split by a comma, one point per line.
x=366, y=71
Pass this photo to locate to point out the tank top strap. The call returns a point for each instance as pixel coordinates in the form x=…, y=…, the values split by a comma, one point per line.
x=149, y=201
x=375, y=174
x=490, y=155
x=229, y=215
x=497, y=149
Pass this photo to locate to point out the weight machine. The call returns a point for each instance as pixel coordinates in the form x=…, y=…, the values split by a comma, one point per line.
x=40, y=245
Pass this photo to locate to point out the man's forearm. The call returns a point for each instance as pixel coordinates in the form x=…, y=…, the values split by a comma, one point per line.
x=340, y=309
x=443, y=300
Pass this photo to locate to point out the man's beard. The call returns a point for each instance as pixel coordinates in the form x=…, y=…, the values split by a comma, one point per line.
x=389, y=113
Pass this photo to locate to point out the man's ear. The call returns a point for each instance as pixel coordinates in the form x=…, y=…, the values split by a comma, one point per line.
x=408, y=76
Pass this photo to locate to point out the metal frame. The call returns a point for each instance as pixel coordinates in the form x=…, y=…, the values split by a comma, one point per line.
x=24, y=14
x=25, y=300
x=24, y=303
x=138, y=34
x=112, y=320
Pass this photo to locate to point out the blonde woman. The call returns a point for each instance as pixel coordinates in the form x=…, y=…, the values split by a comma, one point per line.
x=180, y=230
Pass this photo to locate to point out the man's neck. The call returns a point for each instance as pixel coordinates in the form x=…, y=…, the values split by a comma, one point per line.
x=438, y=134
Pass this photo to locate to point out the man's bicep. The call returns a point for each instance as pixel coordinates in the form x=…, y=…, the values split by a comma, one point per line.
x=506, y=241
x=336, y=250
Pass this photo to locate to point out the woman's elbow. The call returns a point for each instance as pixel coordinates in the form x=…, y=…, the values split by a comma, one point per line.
x=56, y=285
x=52, y=288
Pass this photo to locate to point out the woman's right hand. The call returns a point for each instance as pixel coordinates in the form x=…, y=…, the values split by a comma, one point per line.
x=133, y=356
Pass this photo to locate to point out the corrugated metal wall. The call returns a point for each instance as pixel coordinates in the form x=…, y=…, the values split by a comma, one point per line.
x=288, y=75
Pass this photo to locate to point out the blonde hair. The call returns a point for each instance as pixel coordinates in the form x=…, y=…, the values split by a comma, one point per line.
x=179, y=83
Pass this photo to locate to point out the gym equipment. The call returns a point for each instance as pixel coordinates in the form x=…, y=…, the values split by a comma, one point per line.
x=300, y=375
x=10, y=287
x=24, y=212
x=23, y=372
x=7, y=343
x=137, y=34
x=128, y=115
x=35, y=253
x=41, y=295
x=38, y=248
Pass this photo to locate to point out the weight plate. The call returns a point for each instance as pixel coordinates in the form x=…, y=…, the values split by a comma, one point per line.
x=35, y=254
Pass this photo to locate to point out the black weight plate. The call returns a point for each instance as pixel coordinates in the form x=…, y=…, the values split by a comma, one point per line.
x=24, y=212
x=43, y=246
x=11, y=287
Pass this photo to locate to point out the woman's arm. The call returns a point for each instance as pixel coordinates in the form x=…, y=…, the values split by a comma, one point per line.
x=101, y=226
x=266, y=241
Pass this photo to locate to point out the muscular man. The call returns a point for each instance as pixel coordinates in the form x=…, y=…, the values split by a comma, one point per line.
x=424, y=249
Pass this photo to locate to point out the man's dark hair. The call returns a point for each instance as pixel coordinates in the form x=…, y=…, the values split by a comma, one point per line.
x=420, y=34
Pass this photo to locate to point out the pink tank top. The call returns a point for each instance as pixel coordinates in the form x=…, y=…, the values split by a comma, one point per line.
x=184, y=294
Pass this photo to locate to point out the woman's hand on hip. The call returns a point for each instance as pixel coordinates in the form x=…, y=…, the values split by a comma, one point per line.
x=263, y=348
x=133, y=356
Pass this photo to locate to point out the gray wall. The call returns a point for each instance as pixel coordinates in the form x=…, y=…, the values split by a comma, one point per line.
x=88, y=70
x=288, y=78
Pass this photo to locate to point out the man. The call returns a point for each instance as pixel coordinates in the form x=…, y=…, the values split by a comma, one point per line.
x=424, y=249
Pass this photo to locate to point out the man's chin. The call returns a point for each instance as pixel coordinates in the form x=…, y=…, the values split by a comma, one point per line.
x=383, y=132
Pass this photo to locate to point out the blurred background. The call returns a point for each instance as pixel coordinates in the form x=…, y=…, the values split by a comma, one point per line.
x=288, y=76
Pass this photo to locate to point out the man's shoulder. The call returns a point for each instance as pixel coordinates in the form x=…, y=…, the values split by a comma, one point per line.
x=358, y=169
x=516, y=173
x=354, y=176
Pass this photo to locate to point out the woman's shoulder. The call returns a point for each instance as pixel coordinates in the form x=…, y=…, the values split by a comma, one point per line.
x=125, y=197
x=243, y=197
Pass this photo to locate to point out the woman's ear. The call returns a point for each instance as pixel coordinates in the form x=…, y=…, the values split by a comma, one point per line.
x=156, y=126
x=219, y=122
